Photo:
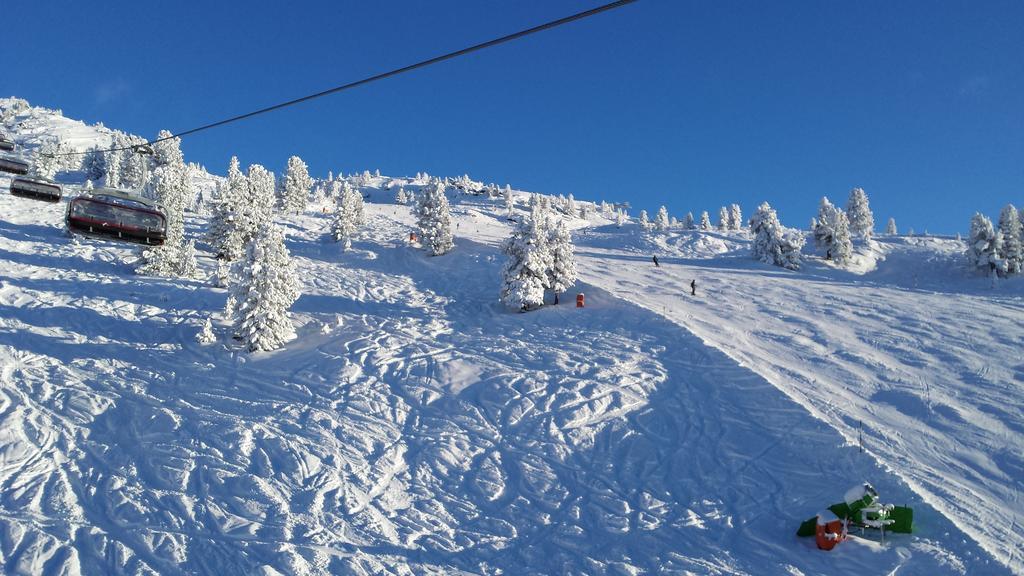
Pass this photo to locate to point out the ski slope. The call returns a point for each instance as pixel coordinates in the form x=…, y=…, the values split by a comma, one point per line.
x=416, y=426
x=913, y=356
x=413, y=425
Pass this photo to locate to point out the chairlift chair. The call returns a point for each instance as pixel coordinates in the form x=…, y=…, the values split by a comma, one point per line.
x=13, y=166
x=6, y=145
x=118, y=215
x=37, y=189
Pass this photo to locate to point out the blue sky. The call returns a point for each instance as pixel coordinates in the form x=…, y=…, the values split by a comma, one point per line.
x=688, y=104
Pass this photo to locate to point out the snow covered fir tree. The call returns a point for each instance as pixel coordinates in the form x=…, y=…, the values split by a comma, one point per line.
x=735, y=217
x=258, y=209
x=823, y=227
x=858, y=211
x=94, y=164
x=661, y=222
x=983, y=246
x=705, y=221
x=996, y=250
x=433, y=218
x=348, y=215
x=510, y=204
x=774, y=244
x=170, y=185
x=569, y=207
x=1010, y=246
x=842, y=245
x=296, y=186
x=541, y=257
x=526, y=272
x=265, y=288
x=131, y=165
x=562, y=269
x=45, y=164
x=643, y=221
x=206, y=335
x=229, y=224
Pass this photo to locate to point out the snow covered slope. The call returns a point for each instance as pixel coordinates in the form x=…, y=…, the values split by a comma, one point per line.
x=915, y=356
x=36, y=125
x=31, y=126
x=415, y=426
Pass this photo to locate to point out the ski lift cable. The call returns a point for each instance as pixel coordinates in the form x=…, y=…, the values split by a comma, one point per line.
x=374, y=78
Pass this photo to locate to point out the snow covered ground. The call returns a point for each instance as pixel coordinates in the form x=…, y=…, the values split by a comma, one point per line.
x=415, y=426
x=917, y=357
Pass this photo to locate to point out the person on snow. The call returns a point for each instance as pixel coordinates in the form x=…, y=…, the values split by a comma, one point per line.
x=655, y=258
x=693, y=287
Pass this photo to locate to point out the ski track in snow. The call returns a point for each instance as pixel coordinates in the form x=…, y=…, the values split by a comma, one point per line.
x=415, y=426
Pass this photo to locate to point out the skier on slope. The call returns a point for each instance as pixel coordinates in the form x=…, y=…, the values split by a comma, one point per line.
x=693, y=287
x=655, y=258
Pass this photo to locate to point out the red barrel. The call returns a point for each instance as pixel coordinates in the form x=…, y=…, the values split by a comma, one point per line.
x=829, y=531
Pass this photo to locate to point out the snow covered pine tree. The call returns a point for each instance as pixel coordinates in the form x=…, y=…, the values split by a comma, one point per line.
x=661, y=220
x=170, y=186
x=206, y=334
x=723, y=218
x=570, y=206
x=94, y=164
x=510, y=204
x=434, y=219
x=862, y=221
x=735, y=217
x=45, y=164
x=1010, y=249
x=259, y=205
x=347, y=216
x=228, y=225
x=982, y=246
x=220, y=216
x=112, y=174
x=842, y=244
x=562, y=273
x=526, y=272
x=643, y=221
x=774, y=244
x=297, y=183
x=824, y=226
x=265, y=288
x=133, y=166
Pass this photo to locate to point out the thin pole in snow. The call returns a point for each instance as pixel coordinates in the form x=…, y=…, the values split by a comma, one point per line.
x=860, y=435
